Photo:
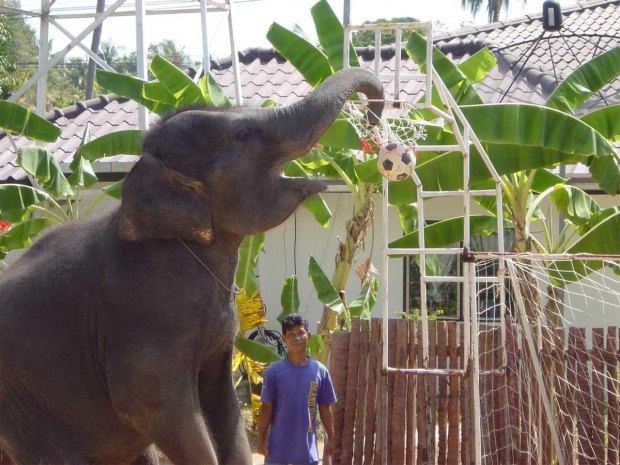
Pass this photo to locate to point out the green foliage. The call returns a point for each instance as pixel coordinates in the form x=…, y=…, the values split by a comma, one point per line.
x=415, y=315
x=388, y=36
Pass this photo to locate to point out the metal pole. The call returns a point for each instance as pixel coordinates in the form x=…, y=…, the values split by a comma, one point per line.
x=143, y=121
x=235, y=57
x=60, y=55
x=86, y=50
x=43, y=57
x=477, y=416
x=384, y=300
x=206, y=61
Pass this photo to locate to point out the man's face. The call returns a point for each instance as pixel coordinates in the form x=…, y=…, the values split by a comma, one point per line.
x=296, y=339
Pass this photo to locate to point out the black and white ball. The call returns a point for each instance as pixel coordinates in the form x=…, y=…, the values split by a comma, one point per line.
x=396, y=161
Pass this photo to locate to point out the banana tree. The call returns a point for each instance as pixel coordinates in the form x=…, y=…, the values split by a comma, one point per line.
x=521, y=153
x=54, y=198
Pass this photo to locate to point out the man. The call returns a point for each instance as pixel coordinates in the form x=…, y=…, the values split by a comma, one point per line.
x=293, y=388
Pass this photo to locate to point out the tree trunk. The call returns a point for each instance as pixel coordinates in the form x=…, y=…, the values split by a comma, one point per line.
x=92, y=65
x=347, y=251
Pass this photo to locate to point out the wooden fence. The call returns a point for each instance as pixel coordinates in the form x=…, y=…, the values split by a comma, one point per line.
x=430, y=417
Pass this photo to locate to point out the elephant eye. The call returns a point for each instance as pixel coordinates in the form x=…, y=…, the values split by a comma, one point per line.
x=242, y=135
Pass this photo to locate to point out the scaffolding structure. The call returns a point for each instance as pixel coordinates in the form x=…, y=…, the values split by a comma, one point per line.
x=465, y=138
x=141, y=10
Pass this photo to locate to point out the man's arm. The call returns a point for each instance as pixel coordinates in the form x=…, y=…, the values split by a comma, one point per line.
x=264, y=420
x=327, y=417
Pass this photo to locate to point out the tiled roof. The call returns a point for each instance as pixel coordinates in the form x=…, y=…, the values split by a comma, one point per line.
x=530, y=62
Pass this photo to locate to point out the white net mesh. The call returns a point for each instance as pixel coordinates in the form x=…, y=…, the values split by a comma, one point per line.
x=398, y=124
x=550, y=374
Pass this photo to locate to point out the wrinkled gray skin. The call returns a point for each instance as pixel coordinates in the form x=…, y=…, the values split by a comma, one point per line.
x=114, y=337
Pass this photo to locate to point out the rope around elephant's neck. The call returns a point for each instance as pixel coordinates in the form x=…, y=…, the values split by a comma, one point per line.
x=233, y=291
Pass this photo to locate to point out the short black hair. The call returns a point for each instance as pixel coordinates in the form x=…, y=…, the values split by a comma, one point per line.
x=292, y=320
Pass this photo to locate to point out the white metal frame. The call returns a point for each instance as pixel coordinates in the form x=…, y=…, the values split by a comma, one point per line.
x=465, y=138
x=140, y=12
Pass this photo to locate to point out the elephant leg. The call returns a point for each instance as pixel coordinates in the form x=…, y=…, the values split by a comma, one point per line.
x=221, y=409
x=179, y=431
x=148, y=457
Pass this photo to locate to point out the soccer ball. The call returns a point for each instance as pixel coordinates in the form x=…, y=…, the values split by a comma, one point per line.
x=396, y=161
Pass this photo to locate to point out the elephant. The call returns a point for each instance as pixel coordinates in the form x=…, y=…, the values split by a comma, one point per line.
x=117, y=330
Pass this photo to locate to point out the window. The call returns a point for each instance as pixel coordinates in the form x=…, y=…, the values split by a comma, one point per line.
x=445, y=300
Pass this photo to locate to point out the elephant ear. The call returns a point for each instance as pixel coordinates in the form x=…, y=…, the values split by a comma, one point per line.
x=162, y=203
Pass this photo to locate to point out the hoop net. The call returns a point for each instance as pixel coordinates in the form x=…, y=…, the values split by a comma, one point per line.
x=399, y=125
x=558, y=344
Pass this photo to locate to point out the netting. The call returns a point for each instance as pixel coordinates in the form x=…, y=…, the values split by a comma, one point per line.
x=549, y=379
x=398, y=124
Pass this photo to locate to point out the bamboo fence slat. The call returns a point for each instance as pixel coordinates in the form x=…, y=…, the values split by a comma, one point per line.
x=598, y=394
x=338, y=370
x=410, y=455
x=362, y=382
x=453, y=398
x=399, y=396
x=442, y=362
x=423, y=454
x=374, y=355
x=351, y=394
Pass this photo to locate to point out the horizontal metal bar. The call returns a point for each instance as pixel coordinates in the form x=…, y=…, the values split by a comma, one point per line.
x=152, y=12
x=438, y=148
x=442, y=279
x=417, y=251
x=535, y=256
x=443, y=372
x=404, y=77
x=483, y=192
x=460, y=279
x=426, y=371
x=390, y=26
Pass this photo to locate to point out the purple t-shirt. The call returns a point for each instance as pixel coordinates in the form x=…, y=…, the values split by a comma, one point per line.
x=295, y=392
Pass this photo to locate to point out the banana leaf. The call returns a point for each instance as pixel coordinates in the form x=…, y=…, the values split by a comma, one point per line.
x=606, y=121
x=83, y=174
x=38, y=162
x=158, y=92
x=574, y=203
x=245, y=277
x=314, y=203
x=590, y=77
x=20, y=235
x=341, y=134
x=127, y=142
x=408, y=217
x=212, y=92
x=331, y=34
x=305, y=57
x=447, y=232
x=15, y=200
x=461, y=88
x=477, y=66
x=316, y=345
x=130, y=87
x=363, y=304
x=289, y=299
x=20, y=120
x=250, y=310
x=115, y=190
x=179, y=84
x=603, y=239
x=256, y=351
x=324, y=289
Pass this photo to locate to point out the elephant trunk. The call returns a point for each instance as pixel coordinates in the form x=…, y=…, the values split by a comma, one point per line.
x=301, y=125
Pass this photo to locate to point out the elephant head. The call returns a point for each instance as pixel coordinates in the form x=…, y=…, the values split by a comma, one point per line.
x=208, y=171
